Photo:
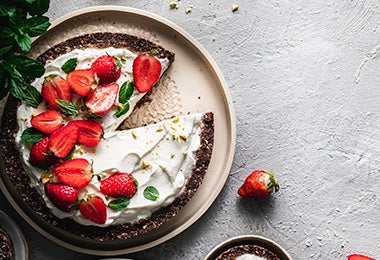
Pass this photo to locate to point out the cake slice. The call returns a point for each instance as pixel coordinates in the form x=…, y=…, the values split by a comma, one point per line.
x=80, y=173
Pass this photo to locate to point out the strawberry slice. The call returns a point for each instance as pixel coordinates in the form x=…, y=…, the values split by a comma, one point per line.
x=94, y=208
x=76, y=172
x=359, y=257
x=62, y=141
x=81, y=81
x=107, y=69
x=146, y=72
x=61, y=195
x=40, y=156
x=119, y=185
x=55, y=88
x=102, y=99
x=48, y=121
x=90, y=132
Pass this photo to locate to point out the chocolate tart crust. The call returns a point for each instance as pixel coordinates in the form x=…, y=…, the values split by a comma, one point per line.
x=28, y=198
x=236, y=251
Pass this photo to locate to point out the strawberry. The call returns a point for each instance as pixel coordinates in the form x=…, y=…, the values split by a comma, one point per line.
x=62, y=141
x=81, y=81
x=359, y=257
x=146, y=72
x=259, y=184
x=119, y=185
x=55, y=88
x=40, y=156
x=61, y=195
x=107, y=69
x=90, y=132
x=102, y=99
x=94, y=208
x=48, y=121
x=76, y=172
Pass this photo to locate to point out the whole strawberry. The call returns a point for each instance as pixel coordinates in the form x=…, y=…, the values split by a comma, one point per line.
x=107, y=69
x=119, y=185
x=359, y=257
x=61, y=195
x=259, y=184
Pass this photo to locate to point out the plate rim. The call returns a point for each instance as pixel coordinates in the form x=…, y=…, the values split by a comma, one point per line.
x=231, y=120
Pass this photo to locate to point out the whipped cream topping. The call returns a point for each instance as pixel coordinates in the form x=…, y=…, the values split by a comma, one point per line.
x=250, y=257
x=160, y=155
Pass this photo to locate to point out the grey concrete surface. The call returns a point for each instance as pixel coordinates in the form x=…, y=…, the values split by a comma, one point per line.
x=304, y=77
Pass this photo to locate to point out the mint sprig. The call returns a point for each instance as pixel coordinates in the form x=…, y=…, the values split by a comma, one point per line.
x=151, y=193
x=20, y=20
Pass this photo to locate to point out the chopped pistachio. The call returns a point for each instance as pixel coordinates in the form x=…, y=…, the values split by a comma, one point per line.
x=23, y=119
x=145, y=164
x=234, y=8
x=172, y=155
x=175, y=120
x=46, y=176
x=173, y=5
x=183, y=137
x=185, y=152
x=159, y=129
x=188, y=9
x=134, y=133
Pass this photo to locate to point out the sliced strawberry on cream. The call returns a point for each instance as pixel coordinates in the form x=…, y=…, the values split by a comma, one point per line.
x=81, y=81
x=48, y=121
x=55, y=88
x=76, y=172
x=90, y=132
x=102, y=99
x=62, y=141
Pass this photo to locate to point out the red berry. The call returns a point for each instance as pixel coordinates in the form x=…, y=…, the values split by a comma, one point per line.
x=90, y=132
x=61, y=195
x=62, y=141
x=146, y=72
x=40, y=156
x=94, y=208
x=259, y=184
x=55, y=88
x=81, y=81
x=76, y=172
x=48, y=121
x=359, y=257
x=119, y=185
x=107, y=69
x=102, y=99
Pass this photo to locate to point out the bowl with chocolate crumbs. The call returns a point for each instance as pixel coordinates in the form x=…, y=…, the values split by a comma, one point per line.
x=12, y=243
x=248, y=247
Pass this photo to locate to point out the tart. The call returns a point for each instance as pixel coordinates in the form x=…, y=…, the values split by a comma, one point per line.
x=87, y=177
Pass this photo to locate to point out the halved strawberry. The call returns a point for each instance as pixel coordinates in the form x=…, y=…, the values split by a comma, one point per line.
x=119, y=185
x=40, y=156
x=55, y=88
x=61, y=195
x=107, y=69
x=90, y=132
x=146, y=72
x=76, y=172
x=102, y=99
x=359, y=257
x=47, y=121
x=81, y=81
x=94, y=208
x=62, y=141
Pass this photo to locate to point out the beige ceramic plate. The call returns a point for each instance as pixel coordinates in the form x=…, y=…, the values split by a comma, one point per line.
x=249, y=240
x=201, y=88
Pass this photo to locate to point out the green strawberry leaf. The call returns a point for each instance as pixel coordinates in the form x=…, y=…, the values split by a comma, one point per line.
x=122, y=110
x=69, y=65
x=126, y=91
x=119, y=204
x=151, y=193
x=67, y=108
x=31, y=135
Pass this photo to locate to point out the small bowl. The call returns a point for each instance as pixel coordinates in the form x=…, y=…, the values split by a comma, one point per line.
x=15, y=235
x=248, y=240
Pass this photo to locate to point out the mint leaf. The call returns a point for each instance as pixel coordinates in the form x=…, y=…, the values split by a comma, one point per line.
x=6, y=10
x=119, y=204
x=32, y=96
x=7, y=36
x=66, y=107
x=151, y=193
x=26, y=66
x=69, y=65
x=24, y=42
x=126, y=92
x=122, y=110
x=17, y=84
x=38, y=7
x=31, y=135
x=5, y=50
x=36, y=25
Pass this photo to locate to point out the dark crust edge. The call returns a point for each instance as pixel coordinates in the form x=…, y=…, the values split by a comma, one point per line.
x=236, y=251
x=30, y=200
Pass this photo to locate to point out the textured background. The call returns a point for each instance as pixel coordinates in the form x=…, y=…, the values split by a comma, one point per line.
x=304, y=77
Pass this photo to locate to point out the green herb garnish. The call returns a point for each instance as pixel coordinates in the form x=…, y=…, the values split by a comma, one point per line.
x=31, y=135
x=151, y=193
x=69, y=65
x=66, y=107
x=119, y=204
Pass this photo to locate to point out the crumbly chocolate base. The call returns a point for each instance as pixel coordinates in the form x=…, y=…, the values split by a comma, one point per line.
x=27, y=197
x=6, y=246
x=236, y=251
